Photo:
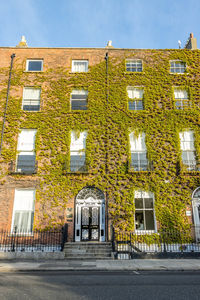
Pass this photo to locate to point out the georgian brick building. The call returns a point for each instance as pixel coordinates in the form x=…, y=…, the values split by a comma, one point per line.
x=95, y=137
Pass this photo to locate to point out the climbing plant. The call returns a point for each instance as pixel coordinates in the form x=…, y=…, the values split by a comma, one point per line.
x=108, y=123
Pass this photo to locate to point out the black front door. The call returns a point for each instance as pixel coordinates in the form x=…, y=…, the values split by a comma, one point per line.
x=90, y=223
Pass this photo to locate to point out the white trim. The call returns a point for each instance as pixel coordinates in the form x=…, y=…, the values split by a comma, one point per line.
x=177, y=60
x=143, y=195
x=134, y=60
x=198, y=188
x=89, y=201
x=80, y=60
x=13, y=210
x=27, y=64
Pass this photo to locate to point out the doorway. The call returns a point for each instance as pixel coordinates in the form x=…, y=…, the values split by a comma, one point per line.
x=90, y=215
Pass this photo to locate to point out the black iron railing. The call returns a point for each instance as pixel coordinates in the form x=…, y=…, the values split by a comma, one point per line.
x=128, y=244
x=23, y=168
x=36, y=241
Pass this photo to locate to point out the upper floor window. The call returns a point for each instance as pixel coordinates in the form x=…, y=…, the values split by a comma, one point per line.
x=188, y=149
x=26, y=151
x=139, y=161
x=135, y=95
x=181, y=99
x=23, y=211
x=31, y=99
x=77, y=151
x=79, y=65
x=34, y=65
x=144, y=211
x=177, y=66
x=79, y=100
x=133, y=65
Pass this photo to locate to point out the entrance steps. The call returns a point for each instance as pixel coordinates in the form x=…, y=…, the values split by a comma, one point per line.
x=87, y=250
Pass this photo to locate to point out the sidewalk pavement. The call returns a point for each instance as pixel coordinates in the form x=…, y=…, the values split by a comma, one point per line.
x=102, y=265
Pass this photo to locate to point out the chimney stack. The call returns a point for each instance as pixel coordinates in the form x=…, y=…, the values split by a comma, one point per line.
x=22, y=43
x=191, y=43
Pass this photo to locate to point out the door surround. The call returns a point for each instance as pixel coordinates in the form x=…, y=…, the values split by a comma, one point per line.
x=196, y=212
x=89, y=197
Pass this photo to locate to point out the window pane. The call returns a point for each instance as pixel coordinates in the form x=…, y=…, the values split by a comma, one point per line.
x=79, y=66
x=148, y=202
x=136, y=105
x=16, y=224
x=24, y=222
x=139, y=221
x=139, y=105
x=131, y=105
x=26, y=163
x=133, y=65
x=78, y=105
x=179, y=105
x=31, y=107
x=77, y=163
x=78, y=141
x=149, y=217
x=26, y=140
x=138, y=203
x=177, y=67
x=35, y=65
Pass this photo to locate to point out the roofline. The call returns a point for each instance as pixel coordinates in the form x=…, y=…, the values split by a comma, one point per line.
x=90, y=48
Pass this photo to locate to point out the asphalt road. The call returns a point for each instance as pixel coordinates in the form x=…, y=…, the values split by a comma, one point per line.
x=100, y=285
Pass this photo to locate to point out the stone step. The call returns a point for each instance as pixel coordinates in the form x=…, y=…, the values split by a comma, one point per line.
x=88, y=248
x=85, y=250
x=88, y=254
x=88, y=244
x=88, y=258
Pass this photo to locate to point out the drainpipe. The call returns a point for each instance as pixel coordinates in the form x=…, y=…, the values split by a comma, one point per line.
x=8, y=92
x=106, y=58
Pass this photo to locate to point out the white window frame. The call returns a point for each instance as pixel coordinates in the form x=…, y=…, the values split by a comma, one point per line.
x=137, y=62
x=33, y=100
x=78, y=92
x=188, y=149
x=79, y=60
x=27, y=65
x=180, y=61
x=142, y=196
x=25, y=151
x=136, y=99
x=135, y=139
x=30, y=211
x=196, y=209
x=78, y=149
x=182, y=100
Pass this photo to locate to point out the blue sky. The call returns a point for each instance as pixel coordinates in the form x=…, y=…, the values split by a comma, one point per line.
x=91, y=23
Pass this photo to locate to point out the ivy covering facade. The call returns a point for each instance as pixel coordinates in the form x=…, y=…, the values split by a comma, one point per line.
x=108, y=122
